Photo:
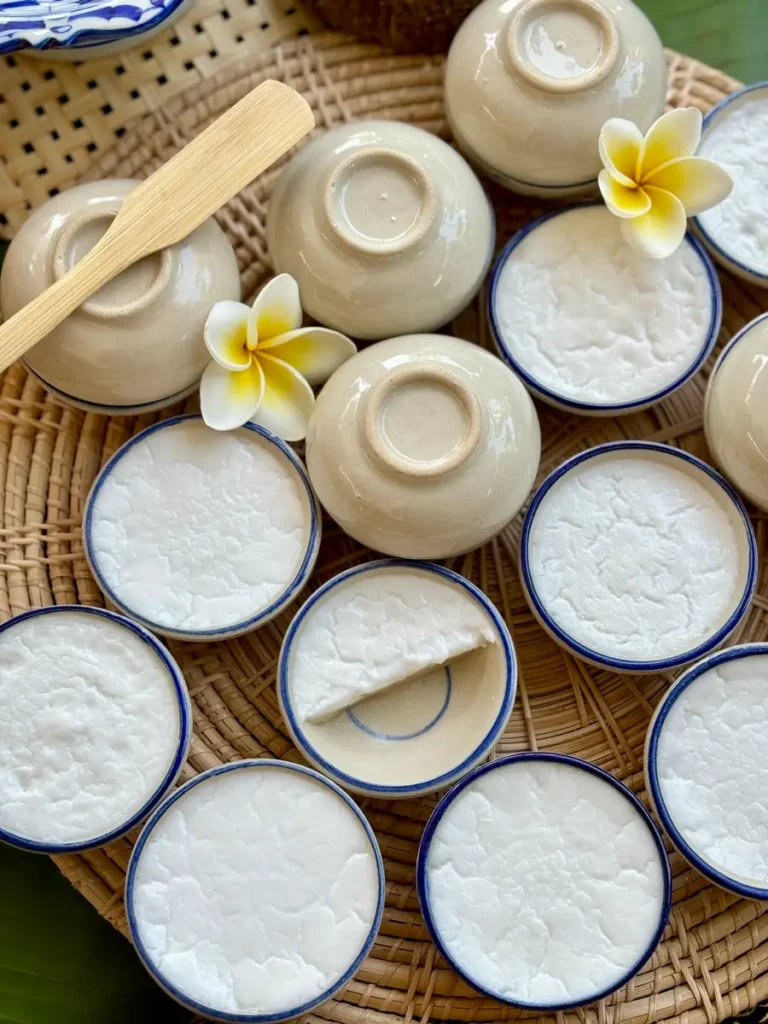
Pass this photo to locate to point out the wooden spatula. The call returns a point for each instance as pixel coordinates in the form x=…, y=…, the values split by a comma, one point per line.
x=175, y=200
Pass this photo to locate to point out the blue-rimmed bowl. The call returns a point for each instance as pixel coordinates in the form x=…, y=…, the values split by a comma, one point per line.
x=130, y=901
x=751, y=266
x=254, y=618
x=715, y=485
x=568, y=399
x=180, y=752
x=406, y=742
x=710, y=720
x=426, y=901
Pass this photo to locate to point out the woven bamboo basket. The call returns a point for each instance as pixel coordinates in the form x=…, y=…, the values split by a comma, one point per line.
x=713, y=960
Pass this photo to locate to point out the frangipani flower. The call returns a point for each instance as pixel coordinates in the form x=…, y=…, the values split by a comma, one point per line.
x=655, y=182
x=265, y=363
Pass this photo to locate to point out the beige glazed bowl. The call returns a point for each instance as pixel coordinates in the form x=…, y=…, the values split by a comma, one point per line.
x=530, y=83
x=137, y=344
x=423, y=446
x=384, y=226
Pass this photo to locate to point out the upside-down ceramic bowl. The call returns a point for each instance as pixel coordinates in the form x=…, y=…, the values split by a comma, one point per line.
x=384, y=226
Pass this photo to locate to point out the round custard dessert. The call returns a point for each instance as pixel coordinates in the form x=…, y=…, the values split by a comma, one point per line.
x=638, y=557
x=94, y=728
x=735, y=135
x=594, y=327
x=200, y=534
x=396, y=678
x=706, y=766
x=255, y=891
x=543, y=881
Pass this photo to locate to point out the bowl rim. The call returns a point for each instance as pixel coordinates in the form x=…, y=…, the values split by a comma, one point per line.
x=182, y=747
x=480, y=751
x=130, y=878
x=574, y=762
x=574, y=404
x=632, y=664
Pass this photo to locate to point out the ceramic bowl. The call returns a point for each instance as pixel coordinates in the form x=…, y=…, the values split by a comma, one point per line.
x=420, y=735
x=594, y=328
x=385, y=228
x=137, y=344
x=735, y=135
x=423, y=446
x=638, y=557
x=530, y=83
x=706, y=768
x=735, y=421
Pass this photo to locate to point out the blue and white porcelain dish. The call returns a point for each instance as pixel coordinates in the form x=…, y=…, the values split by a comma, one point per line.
x=706, y=767
x=525, y=860
x=420, y=735
x=626, y=569
x=571, y=330
x=54, y=724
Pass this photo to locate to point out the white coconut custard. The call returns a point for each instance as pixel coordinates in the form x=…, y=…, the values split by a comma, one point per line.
x=396, y=678
x=255, y=891
x=736, y=136
x=707, y=767
x=543, y=881
x=637, y=556
x=94, y=728
x=593, y=326
x=201, y=534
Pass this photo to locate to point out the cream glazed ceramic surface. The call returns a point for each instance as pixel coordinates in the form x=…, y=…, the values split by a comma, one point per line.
x=384, y=226
x=423, y=446
x=530, y=83
x=137, y=344
x=735, y=417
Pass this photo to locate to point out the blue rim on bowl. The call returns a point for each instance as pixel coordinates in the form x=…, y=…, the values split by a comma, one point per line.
x=744, y=889
x=221, y=632
x=625, y=664
x=726, y=259
x=446, y=778
x=246, y=1018
x=592, y=408
x=185, y=730
x=423, y=884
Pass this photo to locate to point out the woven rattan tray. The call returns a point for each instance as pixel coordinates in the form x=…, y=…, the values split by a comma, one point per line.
x=713, y=961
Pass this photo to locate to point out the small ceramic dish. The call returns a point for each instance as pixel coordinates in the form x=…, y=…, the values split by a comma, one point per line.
x=543, y=882
x=422, y=734
x=137, y=344
x=530, y=83
x=94, y=730
x=638, y=557
x=735, y=421
x=593, y=327
x=201, y=534
x=735, y=135
x=384, y=226
x=706, y=768
x=280, y=873
x=423, y=446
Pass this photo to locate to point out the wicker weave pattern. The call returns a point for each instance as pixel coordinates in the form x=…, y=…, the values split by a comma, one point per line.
x=713, y=961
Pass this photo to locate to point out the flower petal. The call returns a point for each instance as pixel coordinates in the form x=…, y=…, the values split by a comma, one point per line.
x=676, y=133
x=660, y=231
x=624, y=202
x=288, y=400
x=620, y=144
x=225, y=334
x=229, y=399
x=277, y=309
x=314, y=351
x=698, y=183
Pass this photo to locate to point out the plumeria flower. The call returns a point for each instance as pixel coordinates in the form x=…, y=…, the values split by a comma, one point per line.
x=265, y=363
x=655, y=182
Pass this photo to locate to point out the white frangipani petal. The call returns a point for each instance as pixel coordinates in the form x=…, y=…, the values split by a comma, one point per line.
x=288, y=400
x=675, y=134
x=276, y=311
x=620, y=144
x=659, y=232
x=228, y=398
x=316, y=352
x=622, y=201
x=225, y=334
x=699, y=184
